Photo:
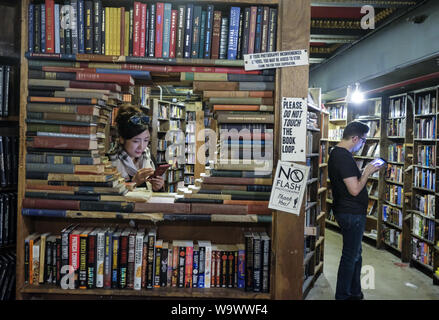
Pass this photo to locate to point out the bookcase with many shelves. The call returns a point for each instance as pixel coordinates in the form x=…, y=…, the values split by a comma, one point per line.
x=424, y=219
x=286, y=230
x=168, y=140
x=397, y=149
x=314, y=216
x=369, y=113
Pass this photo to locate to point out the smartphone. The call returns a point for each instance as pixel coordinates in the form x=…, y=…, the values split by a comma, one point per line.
x=160, y=170
x=378, y=162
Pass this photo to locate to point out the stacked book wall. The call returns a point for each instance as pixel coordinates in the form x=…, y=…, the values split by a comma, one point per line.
x=66, y=144
x=156, y=30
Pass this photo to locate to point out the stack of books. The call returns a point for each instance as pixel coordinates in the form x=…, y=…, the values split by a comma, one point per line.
x=240, y=176
x=66, y=141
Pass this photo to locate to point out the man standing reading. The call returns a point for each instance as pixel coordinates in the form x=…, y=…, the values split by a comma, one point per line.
x=350, y=200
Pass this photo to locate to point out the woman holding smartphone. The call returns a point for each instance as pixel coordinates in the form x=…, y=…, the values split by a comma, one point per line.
x=131, y=155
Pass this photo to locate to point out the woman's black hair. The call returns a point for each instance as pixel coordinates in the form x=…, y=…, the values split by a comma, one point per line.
x=125, y=127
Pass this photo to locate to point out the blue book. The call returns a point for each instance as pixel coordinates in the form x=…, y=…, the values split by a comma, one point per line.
x=43, y=213
x=137, y=74
x=166, y=30
x=209, y=28
x=56, y=25
x=188, y=31
x=232, y=50
x=30, y=26
x=195, y=268
x=258, y=32
x=43, y=28
x=74, y=25
x=81, y=27
x=202, y=35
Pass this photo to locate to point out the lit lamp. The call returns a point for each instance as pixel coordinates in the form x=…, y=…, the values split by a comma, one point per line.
x=357, y=96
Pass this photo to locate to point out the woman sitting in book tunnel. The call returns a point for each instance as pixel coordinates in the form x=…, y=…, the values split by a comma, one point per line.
x=131, y=155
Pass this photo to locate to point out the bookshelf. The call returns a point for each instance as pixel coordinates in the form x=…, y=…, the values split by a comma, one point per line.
x=397, y=148
x=315, y=192
x=286, y=230
x=423, y=214
x=9, y=140
x=168, y=140
x=369, y=113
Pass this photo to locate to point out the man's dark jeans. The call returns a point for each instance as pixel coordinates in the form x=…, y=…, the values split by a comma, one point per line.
x=349, y=270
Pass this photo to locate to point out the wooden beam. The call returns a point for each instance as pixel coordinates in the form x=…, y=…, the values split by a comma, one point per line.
x=288, y=229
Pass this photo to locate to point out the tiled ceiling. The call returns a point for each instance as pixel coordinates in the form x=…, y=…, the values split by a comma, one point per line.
x=336, y=24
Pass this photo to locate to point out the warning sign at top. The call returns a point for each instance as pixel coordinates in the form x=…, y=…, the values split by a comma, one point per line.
x=278, y=59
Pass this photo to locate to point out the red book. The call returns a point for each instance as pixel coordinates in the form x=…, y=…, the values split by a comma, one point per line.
x=114, y=87
x=74, y=253
x=37, y=203
x=62, y=143
x=173, y=36
x=216, y=32
x=142, y=29
x=160, y=11
x=188, y=267
x=50, y=27
x=252, y=32
x=136, y=29
x=67, y=69
x=105, y=77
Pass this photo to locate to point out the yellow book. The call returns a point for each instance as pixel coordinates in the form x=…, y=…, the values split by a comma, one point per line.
x=107, y=29
x=127, y=34
x=118, y=26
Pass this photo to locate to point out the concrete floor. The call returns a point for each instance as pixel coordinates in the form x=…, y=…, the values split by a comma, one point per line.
x=383, y=272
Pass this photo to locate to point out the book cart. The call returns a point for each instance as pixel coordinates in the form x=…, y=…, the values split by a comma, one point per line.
x=286, y=230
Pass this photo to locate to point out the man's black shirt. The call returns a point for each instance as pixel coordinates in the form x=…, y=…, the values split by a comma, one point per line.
x=341, y=165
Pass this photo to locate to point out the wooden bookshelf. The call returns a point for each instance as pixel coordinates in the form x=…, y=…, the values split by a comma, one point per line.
x=425, y=157
x=9, y=141
x=369, y=112
x=315, y=195
x=165, y=132
x=286, y=230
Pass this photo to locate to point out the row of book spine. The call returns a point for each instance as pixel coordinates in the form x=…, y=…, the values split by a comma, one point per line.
x=426, y=104
x=394, y=194
x=396, y=152
x=397, y=107
x=136, y=259
x=8, y=218
x=392, y=237
x=8, y=261
x=426, y=204
x=392, y=215
x=8, y=161
x=423, y=227
x=161, y=30
x=425, y=178
x=396, y=128
x=425, y=128
x=8, y=91
x=395, y=173
x=426, y=155
x=422, y=251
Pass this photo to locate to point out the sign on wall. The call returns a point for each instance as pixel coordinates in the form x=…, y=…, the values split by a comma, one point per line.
x=289, y=187
x=278, y=59
x=293, y=129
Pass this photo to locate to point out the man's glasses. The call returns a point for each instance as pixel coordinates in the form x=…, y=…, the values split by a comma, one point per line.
x=136, y=120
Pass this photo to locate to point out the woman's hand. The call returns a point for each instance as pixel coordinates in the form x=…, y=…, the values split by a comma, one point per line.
x=157, y=183
x=142, y=175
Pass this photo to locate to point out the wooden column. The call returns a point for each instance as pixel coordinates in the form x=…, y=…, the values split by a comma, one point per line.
x=23, y=225
x=288, y=229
